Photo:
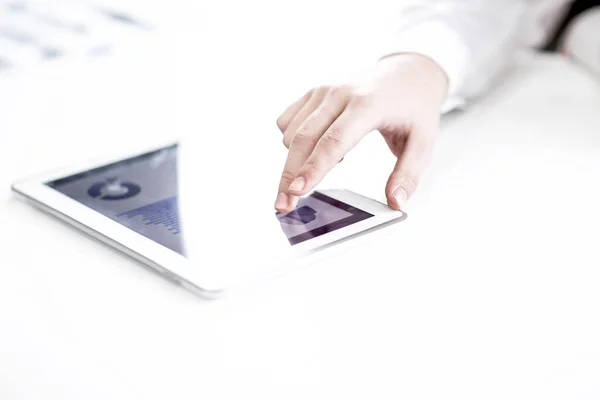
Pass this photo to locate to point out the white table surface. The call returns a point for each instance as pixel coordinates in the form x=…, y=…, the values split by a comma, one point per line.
x=490, y=289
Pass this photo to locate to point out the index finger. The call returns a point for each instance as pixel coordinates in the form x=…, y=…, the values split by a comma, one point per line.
x=345, y=133
x=303, y=144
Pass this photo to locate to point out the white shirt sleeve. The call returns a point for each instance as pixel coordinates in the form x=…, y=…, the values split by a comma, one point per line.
x=473, y=41
x=581, y=41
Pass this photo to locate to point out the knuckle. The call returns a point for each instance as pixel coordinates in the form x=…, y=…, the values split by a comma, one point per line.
x=311, y=167
x=409, y=182
x=340, y=91
x=422, y=145
x=334, y=137
x=326, y=108
x=362, y=101
x=287, y=178
x=321, y=90
x=302, y=138
x=281, y=123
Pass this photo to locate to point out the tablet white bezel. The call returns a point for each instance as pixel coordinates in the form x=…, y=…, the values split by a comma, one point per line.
x=204, y=280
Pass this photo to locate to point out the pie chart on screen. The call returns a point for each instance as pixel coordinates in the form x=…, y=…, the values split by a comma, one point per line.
x=300, y=216
x=113, y=189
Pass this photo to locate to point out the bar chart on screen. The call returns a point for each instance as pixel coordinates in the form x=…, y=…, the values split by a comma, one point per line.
x=163, y=212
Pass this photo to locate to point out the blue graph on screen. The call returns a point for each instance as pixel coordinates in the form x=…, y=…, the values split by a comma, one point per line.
x=163, y=212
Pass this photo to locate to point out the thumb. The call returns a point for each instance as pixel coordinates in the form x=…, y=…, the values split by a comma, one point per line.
x=405, y=177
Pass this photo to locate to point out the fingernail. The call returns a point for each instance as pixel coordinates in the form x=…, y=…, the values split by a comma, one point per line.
x=298, y=184
x=293, y=202
x=281, y=202
x=400, y=196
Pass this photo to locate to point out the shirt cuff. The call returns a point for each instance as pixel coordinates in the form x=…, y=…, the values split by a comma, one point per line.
x=443, y=45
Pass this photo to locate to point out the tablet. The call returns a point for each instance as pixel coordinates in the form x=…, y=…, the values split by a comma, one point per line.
x=159, y=208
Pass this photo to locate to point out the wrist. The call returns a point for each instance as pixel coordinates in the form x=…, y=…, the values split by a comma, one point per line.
x=424, y=72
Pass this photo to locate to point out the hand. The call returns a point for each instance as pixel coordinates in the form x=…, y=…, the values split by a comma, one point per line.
x=401, y=97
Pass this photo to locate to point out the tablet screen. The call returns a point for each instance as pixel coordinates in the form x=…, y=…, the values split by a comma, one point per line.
x=316, y=215
x=141, y=193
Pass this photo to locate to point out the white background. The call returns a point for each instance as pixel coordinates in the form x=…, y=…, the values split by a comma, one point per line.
x=488, y=290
